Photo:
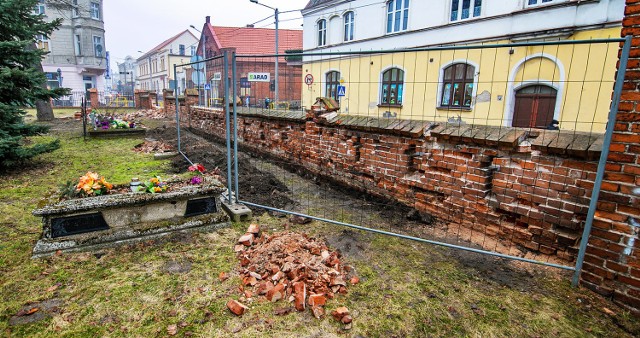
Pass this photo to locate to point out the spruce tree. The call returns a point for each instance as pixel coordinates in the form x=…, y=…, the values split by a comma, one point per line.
x=21, y=80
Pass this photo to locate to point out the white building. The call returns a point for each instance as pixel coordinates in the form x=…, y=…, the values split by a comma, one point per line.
x=77, y=57
x=155, y=67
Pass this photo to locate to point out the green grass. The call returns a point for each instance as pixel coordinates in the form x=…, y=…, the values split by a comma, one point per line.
x=407, y=289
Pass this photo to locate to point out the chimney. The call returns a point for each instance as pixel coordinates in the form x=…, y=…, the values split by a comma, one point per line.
x=207, y=19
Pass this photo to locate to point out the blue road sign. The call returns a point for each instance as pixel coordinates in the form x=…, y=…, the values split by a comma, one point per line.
x=207, y=87
x=342, y=90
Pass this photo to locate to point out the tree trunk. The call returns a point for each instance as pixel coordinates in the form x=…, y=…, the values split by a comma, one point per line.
x=44, y=111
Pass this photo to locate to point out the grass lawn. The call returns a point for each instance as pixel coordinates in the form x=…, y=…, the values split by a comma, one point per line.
x=407, y=289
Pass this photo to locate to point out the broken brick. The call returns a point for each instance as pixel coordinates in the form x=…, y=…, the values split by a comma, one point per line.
x=300, y=295
x=246, y=239
x=236, y=308
x=346, y=319
x=317, y=300
x=354, y=280
x=276, y=293
x=339, y=313
x=254, y=229
x=317, y=311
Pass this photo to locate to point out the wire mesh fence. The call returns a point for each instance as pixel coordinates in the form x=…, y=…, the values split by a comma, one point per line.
x=492, y=147
x=497, y=149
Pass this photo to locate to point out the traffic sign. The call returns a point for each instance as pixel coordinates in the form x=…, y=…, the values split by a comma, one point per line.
x=197, y=77
x=308, y=79
x=342, y=91
x=207, y=87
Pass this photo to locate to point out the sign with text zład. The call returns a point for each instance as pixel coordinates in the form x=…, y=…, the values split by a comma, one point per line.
x=259, y=77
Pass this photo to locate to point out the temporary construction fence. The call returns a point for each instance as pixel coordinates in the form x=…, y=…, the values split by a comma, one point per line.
x=501, y=148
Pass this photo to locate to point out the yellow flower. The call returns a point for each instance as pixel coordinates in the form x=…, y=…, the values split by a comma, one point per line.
x=154, y=180
x=157, y=189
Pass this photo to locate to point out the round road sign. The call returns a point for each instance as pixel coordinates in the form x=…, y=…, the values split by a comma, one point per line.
x=308, y=79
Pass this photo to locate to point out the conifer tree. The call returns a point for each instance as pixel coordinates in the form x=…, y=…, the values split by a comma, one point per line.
x=21, y=80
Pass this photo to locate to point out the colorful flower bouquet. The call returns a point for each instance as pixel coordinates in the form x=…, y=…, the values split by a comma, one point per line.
x=105, y=122
x=154, y=185
x=91, y=184
x=199, y=170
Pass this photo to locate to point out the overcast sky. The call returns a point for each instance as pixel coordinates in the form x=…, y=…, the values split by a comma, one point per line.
x=133, y=25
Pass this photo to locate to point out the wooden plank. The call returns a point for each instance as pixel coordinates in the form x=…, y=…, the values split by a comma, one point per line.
x=560, y=144
x=395, y=123
x=418, y=130
x=402, y=125
x=496, y=134
x=581, y=144
x=470, y=134
x=542, y=141
x=457, y=134
x=512, y=137
x=595, y=148
x=438, y=129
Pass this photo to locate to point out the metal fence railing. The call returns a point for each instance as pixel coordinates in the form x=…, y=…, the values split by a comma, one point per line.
x=499, y=143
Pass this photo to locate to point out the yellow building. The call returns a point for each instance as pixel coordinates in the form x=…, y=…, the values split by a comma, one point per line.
x=518, y=83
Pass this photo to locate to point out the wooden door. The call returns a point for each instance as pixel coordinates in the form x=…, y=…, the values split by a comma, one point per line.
x=534, y=106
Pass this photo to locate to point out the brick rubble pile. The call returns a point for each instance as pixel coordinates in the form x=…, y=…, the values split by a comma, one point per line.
x=290, y=266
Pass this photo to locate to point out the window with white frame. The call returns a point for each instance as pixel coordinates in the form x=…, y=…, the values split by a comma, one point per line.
x=97, y=46
x=42, y=42
x=322, y=32
x=348, y=26
x=77, y=44
x=392, y=86
x=39, y=8
x=465, y=9
x=397, y=15
x=95, y=10
x=457, y=86
x=181, y=49
x=539, y=2
x=332, y=81
x=193, y=50
x=75, y=12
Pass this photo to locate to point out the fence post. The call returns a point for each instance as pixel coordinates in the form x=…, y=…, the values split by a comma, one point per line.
x=227, y=121
x=175, y=73
x=593, y=204
x=235, y=123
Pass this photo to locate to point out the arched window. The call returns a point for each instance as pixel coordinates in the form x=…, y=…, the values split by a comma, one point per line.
x=322, y=32
x=392, y=86
x=348, y=26
x=332, y=81
x=397, y=15
x=457, y=86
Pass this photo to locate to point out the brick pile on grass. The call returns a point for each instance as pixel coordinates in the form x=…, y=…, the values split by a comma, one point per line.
x=293, y=267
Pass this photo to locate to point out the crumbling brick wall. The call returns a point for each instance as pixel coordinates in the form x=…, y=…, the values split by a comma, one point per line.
x=536, y=201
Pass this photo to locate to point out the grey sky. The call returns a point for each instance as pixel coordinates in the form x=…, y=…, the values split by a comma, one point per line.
x=133, y=25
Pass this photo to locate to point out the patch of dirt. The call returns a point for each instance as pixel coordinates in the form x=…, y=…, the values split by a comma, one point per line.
x=177, y=267
x=350, y=243
x=258, y=186
x=36, y=312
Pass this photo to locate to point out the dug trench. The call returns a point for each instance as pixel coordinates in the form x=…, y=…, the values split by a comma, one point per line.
x=267, y=181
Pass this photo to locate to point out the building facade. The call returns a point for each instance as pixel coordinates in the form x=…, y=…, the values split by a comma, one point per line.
x=533, y=86
x=77, y=58
x=245, y=41
x=155, y=67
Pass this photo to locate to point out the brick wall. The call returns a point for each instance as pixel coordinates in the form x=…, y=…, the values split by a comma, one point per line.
x=525, y=202
x=612, y=262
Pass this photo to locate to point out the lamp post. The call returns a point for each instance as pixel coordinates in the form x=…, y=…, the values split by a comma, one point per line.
x=276, y=64
x=204, y=56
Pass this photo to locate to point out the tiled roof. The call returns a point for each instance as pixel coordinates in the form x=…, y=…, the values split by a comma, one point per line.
x=249, y=40
x=165, y=43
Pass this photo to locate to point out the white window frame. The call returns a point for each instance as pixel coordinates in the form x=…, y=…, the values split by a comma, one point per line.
x=381, y=85
x=540, y=3
x=42, y=39
x=95, y=50
x=321, y=32
x=94, y=8
x=40, y=8
x=75, y=11
x=393, y=14
x=182, y=50
x=193, y=50
x=349, y=26
x=77, y=44
x=472, y=5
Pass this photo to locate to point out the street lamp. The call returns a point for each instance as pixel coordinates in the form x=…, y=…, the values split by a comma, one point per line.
x=150, y=73
x=276, y=65
x=204, y=56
